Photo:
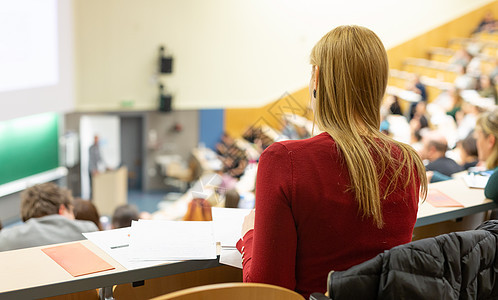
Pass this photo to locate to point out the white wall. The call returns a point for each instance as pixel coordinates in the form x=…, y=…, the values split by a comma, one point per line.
x=49, y=91
x=228, y=53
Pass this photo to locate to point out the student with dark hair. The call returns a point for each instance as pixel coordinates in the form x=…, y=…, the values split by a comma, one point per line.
x=232, y=199
x=123, y=215
x=434, y=150
x=468, y=151
x=47, y=212
x=86, y=210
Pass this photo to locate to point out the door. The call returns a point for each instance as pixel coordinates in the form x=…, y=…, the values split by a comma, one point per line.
x=132, y=149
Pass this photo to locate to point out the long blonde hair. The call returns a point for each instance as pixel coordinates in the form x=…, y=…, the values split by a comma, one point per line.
x=353, y=70
x=488, y=123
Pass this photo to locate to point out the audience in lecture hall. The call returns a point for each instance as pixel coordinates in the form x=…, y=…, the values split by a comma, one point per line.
x=123, y=215
x=47, y=213
x=86, y=210
x=301, y=186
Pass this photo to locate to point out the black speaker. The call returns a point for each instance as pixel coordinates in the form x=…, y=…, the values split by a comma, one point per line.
x=165, y=62
x=166, y=66
x=165, y=103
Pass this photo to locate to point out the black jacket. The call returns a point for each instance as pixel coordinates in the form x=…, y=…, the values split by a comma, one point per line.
x=461, y=265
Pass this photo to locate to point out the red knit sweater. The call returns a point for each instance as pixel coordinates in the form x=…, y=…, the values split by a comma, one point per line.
x=307, y=221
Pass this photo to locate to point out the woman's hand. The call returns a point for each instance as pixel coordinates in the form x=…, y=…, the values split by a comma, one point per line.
x=248, y=222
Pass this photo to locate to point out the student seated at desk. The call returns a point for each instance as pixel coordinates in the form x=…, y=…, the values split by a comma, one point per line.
x=486, y=134
x=434, y=150
x=468, y=152
x=123, y=215
x=232, y=198
x=47, y=212
x=86, y=210
x=340, y=198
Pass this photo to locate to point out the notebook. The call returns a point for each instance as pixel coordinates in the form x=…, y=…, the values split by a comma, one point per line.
x=438, y=199
x=77, y=259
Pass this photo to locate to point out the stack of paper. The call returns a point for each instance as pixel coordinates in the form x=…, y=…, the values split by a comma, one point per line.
x=477, y=181
x=172, y=240
x=116, y=243
x=149, y=242
x=227, y=228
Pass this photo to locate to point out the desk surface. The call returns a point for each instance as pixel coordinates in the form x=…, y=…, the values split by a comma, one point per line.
x=473, y=201
x=30, y=273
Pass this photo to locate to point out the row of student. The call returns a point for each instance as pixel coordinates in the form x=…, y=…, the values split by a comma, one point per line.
x=50, y=215
x=335, y=200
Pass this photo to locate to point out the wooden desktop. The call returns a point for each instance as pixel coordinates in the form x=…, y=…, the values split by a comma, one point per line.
x=29, y=273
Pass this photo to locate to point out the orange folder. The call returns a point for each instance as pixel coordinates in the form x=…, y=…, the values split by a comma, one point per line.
x=77, y=259
x=438, y=199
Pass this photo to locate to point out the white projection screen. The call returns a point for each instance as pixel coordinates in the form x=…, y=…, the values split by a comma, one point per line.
x=36, y=59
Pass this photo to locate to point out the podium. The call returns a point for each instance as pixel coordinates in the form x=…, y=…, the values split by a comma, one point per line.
x=110, y=190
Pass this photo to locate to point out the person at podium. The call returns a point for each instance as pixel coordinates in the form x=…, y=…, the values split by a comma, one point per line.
x=95, y=161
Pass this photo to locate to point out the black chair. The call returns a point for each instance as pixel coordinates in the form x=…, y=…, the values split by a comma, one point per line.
x=458, y=265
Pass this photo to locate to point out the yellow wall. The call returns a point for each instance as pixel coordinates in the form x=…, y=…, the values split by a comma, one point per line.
x=238, y=120
x=235, y=53
x=438, y=37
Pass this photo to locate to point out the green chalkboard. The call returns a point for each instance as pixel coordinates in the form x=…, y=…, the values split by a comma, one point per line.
x=28, y=146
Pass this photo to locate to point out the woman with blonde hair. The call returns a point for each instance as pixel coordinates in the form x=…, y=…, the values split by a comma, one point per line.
x=339, y=198
x=486, y=134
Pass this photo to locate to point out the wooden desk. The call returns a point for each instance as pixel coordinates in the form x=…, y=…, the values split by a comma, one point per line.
x=473, y=201
x=30, y=273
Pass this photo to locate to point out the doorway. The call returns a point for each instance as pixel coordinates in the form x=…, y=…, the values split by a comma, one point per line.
x=132, y=149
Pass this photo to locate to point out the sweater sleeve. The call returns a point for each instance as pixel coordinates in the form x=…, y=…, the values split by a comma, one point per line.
x=491, y=189
x=269, y=252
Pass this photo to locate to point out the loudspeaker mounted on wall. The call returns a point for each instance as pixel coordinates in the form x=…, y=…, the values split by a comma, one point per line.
x=165, y=62
x=164, y=100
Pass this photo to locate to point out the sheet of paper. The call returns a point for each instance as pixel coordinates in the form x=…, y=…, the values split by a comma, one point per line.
x=172, y=240
x=116, y=243
x=439, y=199
x=231, y=257
x=77, y=259
x=476, y=181
x=228, y=224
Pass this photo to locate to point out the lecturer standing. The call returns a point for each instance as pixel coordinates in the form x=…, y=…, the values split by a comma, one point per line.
x=95, y=161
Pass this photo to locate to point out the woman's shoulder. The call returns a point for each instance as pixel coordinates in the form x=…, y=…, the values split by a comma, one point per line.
x=322, y=139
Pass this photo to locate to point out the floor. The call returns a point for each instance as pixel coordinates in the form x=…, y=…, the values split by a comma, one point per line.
x=149, y=201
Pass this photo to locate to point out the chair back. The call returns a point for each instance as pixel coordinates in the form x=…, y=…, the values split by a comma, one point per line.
x=458, y=265
x=239, y=291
